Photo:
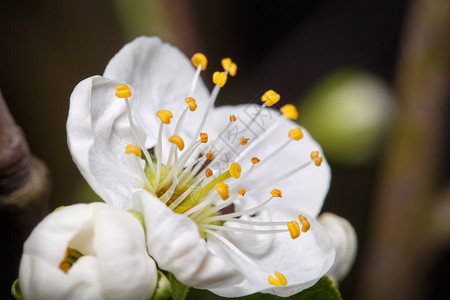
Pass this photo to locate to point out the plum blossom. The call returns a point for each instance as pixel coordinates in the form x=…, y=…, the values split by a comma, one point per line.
x=87, y=251
x=229, y=194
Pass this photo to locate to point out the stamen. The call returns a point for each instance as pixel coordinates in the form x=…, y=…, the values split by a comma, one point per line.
x=209, y=155
x=318, y=161
x=244, y=141
x=276, y=193
x=270, y=98
x=123, y=91
x=219, y=78
x=295, y=134
x=294, y=229
x=208, y=172
x=278, y=279
x=282, y=177
x=235, y=170
x=203, y=137
x=241, y=192
x=223, y=190
x=191, y=102
x=165, y=116
x=316, y=158
x=135, y=150
x=185, y=194
x=235, y=214
x=243, y=230
x=289, y=111
x=199, y=59
x=233, y=118
x=229, y=66
x=255, y=160
x=123, y=87
x=70, y=258
x=132, y=149
x=305, y=224
x=175, y=139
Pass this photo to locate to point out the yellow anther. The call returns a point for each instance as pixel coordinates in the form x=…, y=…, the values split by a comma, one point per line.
x=289, y=111
x=132, y=149
x=223, y=190
x=226, y=62
x=219, y=78
x=255, y=160
x=165, y=116
x=295, y=134
x=123, y=91
x=294, y=229
x=232, y=118
x=314, y=154
x=230, y=66
x=208, y=172
x=318, y=161
x=276, y=193
x=175, y=139
x=270, y=97
x=232, y=69
x=209, y=155
x=305, y=224
x=203, y=137
x=235, y=170
x=199, y=59
x=278, y=279
x=191, y=102
x=244, y=142
x=241, y=192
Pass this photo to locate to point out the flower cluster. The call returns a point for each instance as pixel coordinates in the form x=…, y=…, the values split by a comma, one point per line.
x=227, y=196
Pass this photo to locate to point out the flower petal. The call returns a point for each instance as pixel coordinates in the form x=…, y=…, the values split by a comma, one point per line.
x=302, y=261
x=127, y=272
x=345, y=243
x=174, y=242
x=39, y=279
x=305, y=189
x=97, y=134
x=161, y=76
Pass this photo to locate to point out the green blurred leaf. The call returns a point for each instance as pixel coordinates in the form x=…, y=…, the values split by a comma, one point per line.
x=324, y=289
x=15, y=290
x=179, y=290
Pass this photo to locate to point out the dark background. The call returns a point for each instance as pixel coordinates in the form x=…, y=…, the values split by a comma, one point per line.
x=47, y=47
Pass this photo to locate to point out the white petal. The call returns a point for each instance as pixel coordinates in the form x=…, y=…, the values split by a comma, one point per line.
x=97, y=134
x=41, y=280
x=57, y=230
x=174, y=242
x=161, y=76
x=303, y=261
x=345, y=242
x=125, y=267
x=305, y=189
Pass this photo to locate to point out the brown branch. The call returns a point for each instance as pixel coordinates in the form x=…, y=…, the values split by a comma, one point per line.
x=24, y=193
x=14, y=153
x=404, y=240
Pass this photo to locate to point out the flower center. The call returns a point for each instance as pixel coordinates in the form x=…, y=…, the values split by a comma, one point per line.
x=185, y=180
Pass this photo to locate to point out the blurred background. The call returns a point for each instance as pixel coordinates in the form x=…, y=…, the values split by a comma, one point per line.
x=343, y=63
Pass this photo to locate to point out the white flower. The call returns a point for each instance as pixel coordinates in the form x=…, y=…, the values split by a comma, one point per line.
x=87, y=251
x=345, y=242
x=207, y=223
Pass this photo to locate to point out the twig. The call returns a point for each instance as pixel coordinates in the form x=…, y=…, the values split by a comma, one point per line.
x=405, y=238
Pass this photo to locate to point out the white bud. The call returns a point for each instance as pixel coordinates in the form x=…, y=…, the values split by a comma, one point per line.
x=345, y=243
